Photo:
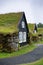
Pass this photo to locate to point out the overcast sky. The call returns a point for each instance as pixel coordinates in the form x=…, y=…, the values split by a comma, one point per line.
x=33, y=8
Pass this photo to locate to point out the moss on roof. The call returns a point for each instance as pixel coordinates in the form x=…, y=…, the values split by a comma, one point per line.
x=31, y=26
x=9, y=22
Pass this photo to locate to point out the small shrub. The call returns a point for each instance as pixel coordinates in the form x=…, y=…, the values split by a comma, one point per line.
x=40, y=36
x=35, y=38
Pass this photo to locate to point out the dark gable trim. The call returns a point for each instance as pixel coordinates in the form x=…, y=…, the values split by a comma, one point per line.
x=20, y=20
x=35, y=27
x=25, y=22
x=23, y=16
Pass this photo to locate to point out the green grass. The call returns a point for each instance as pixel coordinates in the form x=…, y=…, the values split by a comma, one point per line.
x=9, y=29
x=39, y=62
x=9, y=22
x=31, y=28
x=40, y=30
x=23, y=50
x=39, y=42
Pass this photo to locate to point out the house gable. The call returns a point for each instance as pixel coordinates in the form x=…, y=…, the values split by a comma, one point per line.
x=35, y=28
x=23, y=23
x=23, y=30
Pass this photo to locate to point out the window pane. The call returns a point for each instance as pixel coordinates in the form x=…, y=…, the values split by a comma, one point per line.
x=23, y=24
x=20, y=37
x=24, y=36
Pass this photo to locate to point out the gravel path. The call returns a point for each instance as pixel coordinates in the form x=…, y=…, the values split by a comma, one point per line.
x=36, y=54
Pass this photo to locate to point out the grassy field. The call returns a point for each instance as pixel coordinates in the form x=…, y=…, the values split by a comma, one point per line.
x=40, y=30
x=23, y=50
x=39, y=62
x=39, y=42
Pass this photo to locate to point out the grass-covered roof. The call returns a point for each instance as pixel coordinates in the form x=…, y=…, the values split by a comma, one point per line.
x=9, y=22
x=31, y=28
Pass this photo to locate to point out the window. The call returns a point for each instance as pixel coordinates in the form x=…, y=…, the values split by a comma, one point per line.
x=22, y=37
x=23, y=24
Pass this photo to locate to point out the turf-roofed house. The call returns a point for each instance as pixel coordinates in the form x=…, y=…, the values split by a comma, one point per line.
x=13, y=30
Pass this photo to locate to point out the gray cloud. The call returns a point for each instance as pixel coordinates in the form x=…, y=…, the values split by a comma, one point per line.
x=32, y=8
